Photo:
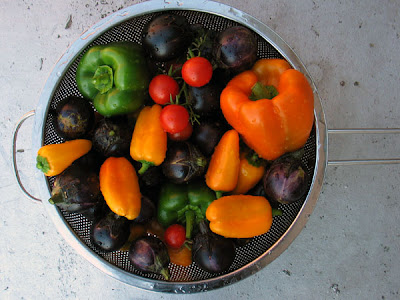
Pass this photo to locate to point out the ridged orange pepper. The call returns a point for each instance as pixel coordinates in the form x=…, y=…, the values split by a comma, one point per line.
x=240, y=216
x=119, y=185
x=271, y=121
x=251, y=170
x=149, y=140
x=223, y=170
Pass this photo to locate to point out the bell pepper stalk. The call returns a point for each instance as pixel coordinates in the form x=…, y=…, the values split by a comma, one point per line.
x=271, y=127
x=149, y=140
x=114, y=76
x=185, y=204
x=223, y=170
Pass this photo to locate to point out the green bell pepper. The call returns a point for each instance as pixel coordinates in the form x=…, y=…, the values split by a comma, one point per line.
x=114, y=76
x=184, y=204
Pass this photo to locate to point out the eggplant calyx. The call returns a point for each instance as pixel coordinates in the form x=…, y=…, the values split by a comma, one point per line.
x=260, y=91
x=145, y=166
x=201, y=161
x=165, y=273
x=42, y=164
x=57, y=198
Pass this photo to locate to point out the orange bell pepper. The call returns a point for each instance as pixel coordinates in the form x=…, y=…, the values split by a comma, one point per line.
x=149, y=140
x=119, y=185
x=240, y=216
x=223, y=170
x=271, y=127
x=251, y=170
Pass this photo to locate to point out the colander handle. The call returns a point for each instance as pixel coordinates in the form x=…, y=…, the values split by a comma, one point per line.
x=14, y=155
x=378, y=161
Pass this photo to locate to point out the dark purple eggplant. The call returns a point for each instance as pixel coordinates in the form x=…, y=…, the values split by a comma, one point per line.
x=236, y=49
x=74, y=118
x=205, y=100
x=112, y=137
x=183, y=162
x=110, y=232
x=207, y=134
x=166, y=36
x=76, y=189
x=149, y=254
x=286, y=180
x=211, y=252
x=147, y=211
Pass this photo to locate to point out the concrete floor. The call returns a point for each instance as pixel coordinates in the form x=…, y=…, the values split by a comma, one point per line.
x=350, y=246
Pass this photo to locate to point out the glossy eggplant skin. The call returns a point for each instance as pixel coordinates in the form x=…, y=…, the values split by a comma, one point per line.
x=236, y=49
x=112, y=137
x=74, y=118
x=166, y=37
x=286, y=181
x=205, y=99
x=183, y=162
x=149, y=254
x=207, y=134
x=211, y=252
x=76, y=189
x=110, y=232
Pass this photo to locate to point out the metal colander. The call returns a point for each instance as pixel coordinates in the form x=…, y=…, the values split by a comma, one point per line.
x=126, y=25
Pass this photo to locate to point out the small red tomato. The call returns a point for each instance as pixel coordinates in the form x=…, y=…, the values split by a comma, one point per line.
x=181, y=135
x=162, y=88
x=174, y=118
x=175, y=236
x=197, y=71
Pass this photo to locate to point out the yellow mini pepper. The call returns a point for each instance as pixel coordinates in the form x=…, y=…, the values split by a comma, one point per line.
x=149, y=140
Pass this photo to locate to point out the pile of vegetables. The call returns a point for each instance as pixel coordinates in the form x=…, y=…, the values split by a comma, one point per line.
x=165, y=149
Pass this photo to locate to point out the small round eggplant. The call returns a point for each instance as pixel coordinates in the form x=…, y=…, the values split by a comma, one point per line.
x=236, y=49
x=183, y=162
x=74, y=118
x=149, y=254
x=211, y=252
x=205, y=100
x=286, y=181
x=112, y=137
x=207, y=134
x=147, y=211
x=166, y=36
x=76, y=189
x=110, y=233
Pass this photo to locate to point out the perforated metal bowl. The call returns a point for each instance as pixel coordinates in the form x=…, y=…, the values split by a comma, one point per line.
x=127, y=24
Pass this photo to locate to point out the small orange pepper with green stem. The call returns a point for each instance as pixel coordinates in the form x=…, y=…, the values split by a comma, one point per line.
x=149, y=140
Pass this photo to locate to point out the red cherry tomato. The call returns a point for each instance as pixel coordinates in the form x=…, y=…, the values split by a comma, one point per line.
x=197, y=71
x=175, y=236
x=181, y=135
x=174, y=118
x=162, y=87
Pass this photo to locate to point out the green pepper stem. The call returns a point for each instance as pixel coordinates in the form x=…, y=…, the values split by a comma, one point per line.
x=145, y=166
x=260, y=91
x=42, y=164
x=189, y=215
x=218, y=194
x=103, y=79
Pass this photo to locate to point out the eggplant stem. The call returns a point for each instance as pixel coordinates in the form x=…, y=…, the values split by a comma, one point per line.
x=56, y=198
x=165, y=273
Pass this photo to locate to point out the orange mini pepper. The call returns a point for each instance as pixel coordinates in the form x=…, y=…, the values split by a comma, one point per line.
x=223, y=170
x=272, y=121
x=240, y=216
x=53, y=159
x=149, y=140
x=119, y=185
x=251, y=170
